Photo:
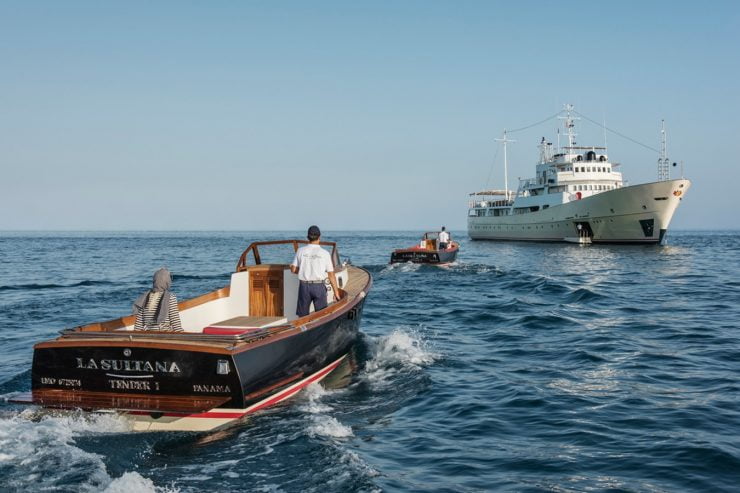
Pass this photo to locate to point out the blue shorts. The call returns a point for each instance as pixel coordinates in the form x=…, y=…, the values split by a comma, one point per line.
x=308, y=292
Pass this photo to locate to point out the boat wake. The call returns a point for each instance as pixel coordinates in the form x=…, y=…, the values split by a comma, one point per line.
x=400, y=267
x=461, y=267
x=322, y=423
x=133, y=481
x=399, y=352
x=31, y=441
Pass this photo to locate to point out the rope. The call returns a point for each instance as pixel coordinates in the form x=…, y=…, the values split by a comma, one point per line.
x=616, y=133
x=552, y=117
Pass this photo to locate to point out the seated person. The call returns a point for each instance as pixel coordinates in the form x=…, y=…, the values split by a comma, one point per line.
x=157, y=308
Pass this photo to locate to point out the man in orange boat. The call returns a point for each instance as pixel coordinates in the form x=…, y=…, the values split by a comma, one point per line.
x=313, y=264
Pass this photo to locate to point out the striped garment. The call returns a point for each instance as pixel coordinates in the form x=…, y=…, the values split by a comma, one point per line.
x=146, y=319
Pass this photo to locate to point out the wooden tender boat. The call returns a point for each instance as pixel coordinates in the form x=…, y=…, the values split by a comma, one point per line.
x=427, y=251
x=243, y=349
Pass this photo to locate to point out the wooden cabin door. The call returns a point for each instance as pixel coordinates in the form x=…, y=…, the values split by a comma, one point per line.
x=266, y=294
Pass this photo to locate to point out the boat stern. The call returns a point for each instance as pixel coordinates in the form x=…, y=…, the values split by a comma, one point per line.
x=132, y=376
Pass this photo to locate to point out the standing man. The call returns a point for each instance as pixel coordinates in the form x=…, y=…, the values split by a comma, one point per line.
x=313, y=264
x=444, y=239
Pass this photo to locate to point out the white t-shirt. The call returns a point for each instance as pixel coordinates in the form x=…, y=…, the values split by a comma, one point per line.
x=313, y=263
x=444, y=237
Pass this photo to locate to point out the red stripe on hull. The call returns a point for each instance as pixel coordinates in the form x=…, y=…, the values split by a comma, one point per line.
x=260, y=405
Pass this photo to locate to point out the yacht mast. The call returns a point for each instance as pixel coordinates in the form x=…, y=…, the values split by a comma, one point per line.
x=664, y=170
x=569, y=125
x=505, y=140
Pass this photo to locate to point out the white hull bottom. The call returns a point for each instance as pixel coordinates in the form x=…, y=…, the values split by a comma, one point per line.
x=220, y=417
x=634, y=214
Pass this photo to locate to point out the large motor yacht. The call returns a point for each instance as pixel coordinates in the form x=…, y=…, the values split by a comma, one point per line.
x=578, y=195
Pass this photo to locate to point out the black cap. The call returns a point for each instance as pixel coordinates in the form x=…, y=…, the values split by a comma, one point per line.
x=313, y=233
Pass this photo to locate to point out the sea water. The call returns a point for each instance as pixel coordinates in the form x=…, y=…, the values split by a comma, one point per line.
x=520, y=367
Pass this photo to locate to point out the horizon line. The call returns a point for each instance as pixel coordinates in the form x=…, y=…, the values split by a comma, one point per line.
x=263, y=230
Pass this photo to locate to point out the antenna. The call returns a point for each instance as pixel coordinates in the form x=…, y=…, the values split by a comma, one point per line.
x=664, y=168
x=569, y=124
x=505, y=140
x=604, y=127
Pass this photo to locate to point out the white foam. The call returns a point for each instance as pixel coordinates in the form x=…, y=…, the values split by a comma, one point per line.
x=31, y=441
x=312, y=396
x=402, y=349
x=134, y=482
x=329, y=426
x=340, y=475
x=315, y=391
x=400, y=267
x=314, y=407
x=403, y=345
x=320, y=423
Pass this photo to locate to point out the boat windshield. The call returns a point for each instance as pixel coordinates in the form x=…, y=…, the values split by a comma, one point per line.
x=280, y=252
x=433, y=235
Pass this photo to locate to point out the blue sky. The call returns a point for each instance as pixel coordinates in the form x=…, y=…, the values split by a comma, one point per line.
x=352, y=115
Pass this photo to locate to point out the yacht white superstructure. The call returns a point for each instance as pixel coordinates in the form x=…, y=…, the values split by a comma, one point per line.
x=578, y=194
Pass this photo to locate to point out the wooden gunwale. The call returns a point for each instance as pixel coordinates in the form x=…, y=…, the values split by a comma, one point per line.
x=204, y=347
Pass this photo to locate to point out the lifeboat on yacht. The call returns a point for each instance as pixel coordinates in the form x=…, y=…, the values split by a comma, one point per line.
x=243, y=349
x=427, y=251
